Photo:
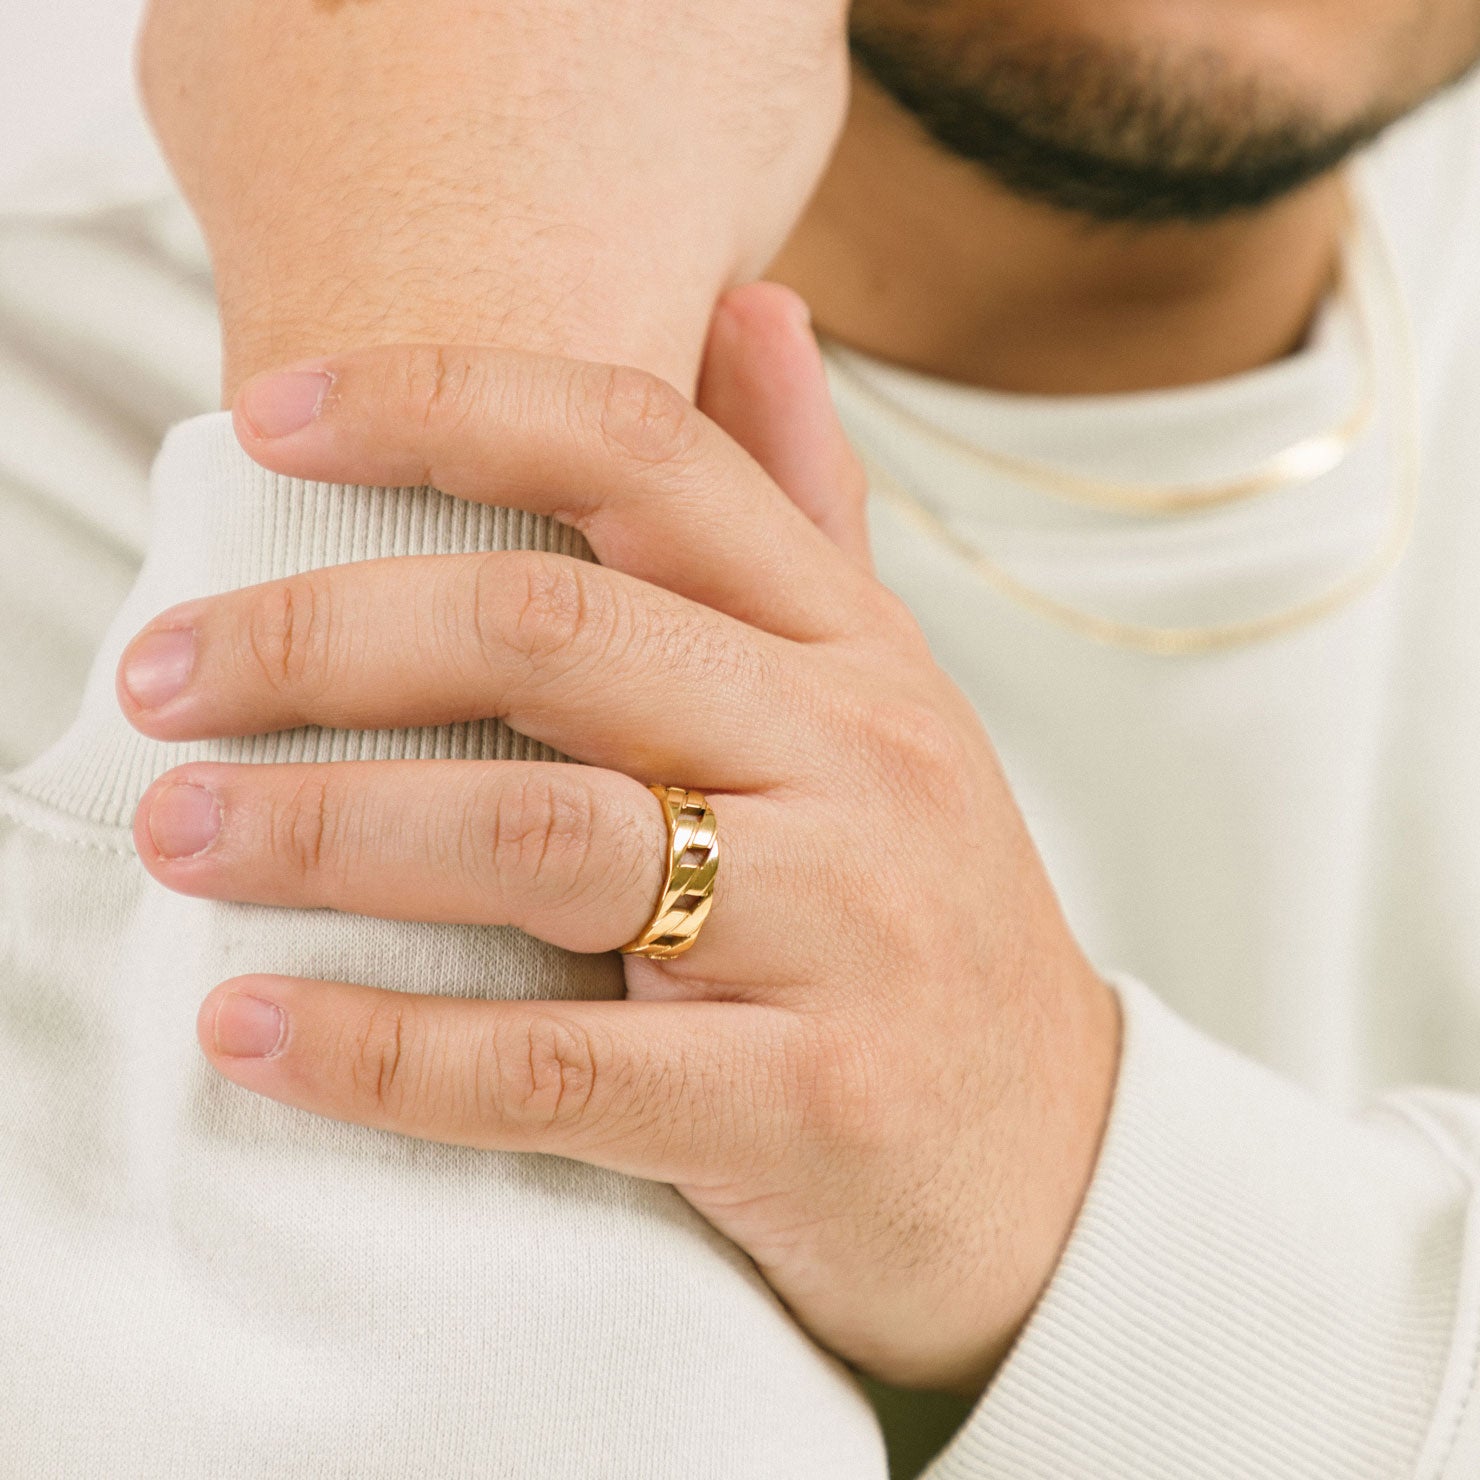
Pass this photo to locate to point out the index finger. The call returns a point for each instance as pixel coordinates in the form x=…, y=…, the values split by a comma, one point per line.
x=659, y=491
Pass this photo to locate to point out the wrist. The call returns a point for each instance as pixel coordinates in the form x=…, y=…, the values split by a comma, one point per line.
x=1021, y=1134
x=1069, y=1061
x=322, y=286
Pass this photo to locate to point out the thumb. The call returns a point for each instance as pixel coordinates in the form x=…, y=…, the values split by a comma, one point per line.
x=763, y=382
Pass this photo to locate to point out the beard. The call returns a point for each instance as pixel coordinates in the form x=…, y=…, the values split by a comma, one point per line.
x=1108, y=131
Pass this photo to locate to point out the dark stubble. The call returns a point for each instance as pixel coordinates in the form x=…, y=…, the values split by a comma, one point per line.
x=1108, y=131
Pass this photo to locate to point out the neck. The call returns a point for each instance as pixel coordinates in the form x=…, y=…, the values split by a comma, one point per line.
x=920, y=258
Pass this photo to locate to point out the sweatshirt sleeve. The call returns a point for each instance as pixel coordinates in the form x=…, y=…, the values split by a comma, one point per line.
x=197, y=1281
x=1258, y=1285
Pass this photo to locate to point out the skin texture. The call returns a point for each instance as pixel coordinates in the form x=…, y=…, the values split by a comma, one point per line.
x=894, y=1105
x=923, y=255
x=892, y=1101
x=923, y=258
x=538, y=175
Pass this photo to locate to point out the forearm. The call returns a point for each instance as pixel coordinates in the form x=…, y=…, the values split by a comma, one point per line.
x=473, y=173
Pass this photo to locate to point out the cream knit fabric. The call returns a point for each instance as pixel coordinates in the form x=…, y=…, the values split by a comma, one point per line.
x=1284, y=842
x=203, y=1284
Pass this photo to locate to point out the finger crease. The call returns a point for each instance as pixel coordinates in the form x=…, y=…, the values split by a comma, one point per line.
x=390, y=1062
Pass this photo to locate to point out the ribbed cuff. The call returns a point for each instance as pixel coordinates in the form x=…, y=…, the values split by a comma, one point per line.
x=1258, y=1286
x=219, y=521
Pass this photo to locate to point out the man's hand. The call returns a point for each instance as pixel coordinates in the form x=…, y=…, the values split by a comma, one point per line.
x=884, y=1067
x=581, y=177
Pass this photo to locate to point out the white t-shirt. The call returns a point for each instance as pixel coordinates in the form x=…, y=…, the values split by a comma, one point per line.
x=1281, y=840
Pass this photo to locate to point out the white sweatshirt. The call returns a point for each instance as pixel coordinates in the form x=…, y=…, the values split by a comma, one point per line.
x=1283, y=841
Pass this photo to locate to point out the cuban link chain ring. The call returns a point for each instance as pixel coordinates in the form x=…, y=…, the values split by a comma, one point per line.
x=688, y=893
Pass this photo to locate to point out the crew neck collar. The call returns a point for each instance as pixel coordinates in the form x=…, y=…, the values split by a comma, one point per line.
x=1191, y=567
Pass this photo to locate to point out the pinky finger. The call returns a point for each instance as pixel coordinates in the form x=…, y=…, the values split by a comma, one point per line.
x=672, y=1091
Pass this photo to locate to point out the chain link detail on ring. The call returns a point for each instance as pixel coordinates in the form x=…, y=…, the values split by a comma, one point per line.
x=688, y=891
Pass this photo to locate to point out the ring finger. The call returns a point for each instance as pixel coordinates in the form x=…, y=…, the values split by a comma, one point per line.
x=571, y=854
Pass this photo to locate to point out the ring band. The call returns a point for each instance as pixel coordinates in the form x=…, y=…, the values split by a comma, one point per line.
x=688, y=891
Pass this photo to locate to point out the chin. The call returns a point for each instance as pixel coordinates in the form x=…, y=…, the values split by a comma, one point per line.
x=1160, y=110
x=1342, y=59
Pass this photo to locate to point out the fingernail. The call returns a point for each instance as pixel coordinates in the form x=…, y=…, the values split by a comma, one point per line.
x=248, y=1027
x=184, y=820
x=158, y=666
x=278, y=405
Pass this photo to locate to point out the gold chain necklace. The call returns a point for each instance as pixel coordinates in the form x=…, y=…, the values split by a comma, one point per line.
x=1308, y=459
x=1184, y=641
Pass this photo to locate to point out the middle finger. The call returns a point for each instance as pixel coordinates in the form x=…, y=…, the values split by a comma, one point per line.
x=601, y=666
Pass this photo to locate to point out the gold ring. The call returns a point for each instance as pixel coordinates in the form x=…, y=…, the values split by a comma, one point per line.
x=688, y=891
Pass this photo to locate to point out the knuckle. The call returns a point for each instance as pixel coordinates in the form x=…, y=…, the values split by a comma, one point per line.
x=288, y=634
x=540, y=830
x=913, y=740
x=439, y=388
x=644, y=420
x=378, y=1059
x=887, y=613
x=550, y=1077
x=303, y=827
x=552, y=607
x=610, y=862
x=566, y=616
